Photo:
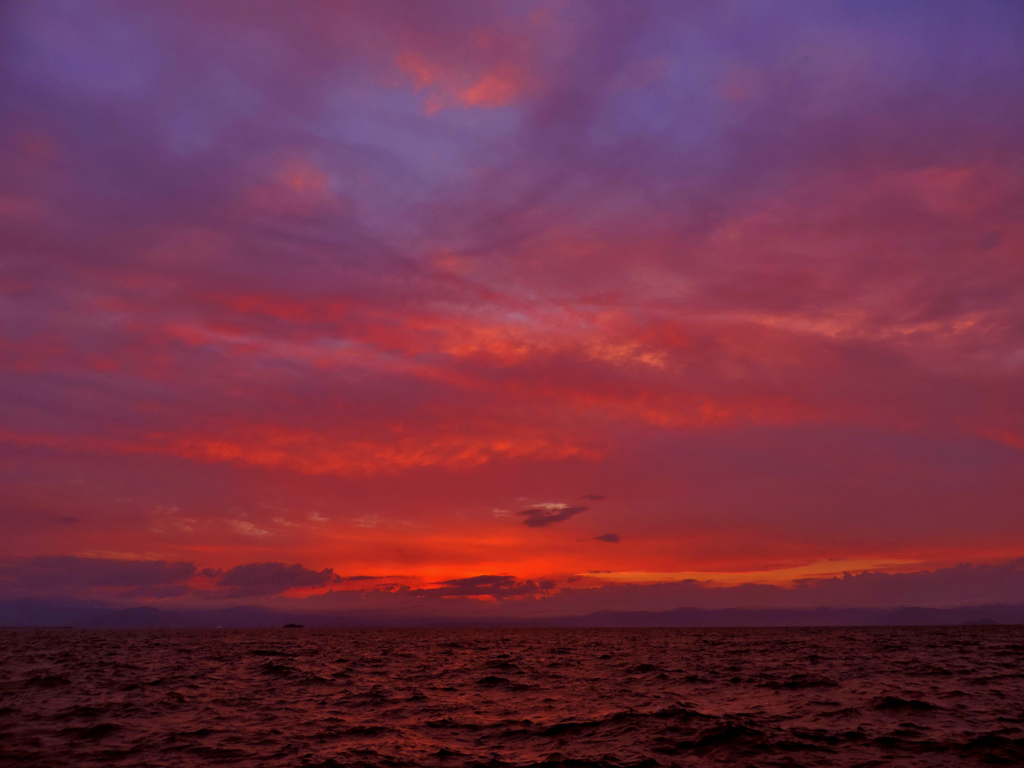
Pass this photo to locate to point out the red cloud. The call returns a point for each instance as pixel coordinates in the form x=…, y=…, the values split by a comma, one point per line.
x=769, y=299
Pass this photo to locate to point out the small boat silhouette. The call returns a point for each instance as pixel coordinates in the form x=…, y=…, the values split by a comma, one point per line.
x=294, y=626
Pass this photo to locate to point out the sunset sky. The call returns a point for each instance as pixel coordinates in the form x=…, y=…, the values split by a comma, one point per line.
x=579, y=304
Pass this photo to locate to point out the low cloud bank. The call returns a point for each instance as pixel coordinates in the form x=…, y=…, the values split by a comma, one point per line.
x=76, y=577
x=261, y=579
x=68, y=577
x=135, y=582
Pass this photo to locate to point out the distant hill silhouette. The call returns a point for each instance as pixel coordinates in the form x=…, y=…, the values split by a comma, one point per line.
x=41, y=613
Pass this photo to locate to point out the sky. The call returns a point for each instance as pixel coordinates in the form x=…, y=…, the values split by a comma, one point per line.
x=512, y=306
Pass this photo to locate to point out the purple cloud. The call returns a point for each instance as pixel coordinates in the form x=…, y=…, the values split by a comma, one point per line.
x=763, y=290
x=138, y=582
x=541, y=517
x=264, y=579
x=69, y=576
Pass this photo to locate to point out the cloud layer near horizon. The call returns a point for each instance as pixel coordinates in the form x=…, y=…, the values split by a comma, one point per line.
x=355, y=284
x=181, y=584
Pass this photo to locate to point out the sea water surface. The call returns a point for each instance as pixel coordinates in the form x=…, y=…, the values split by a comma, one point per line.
x=604, y=697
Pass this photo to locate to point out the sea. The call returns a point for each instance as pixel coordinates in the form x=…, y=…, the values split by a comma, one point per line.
x=921, y=696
